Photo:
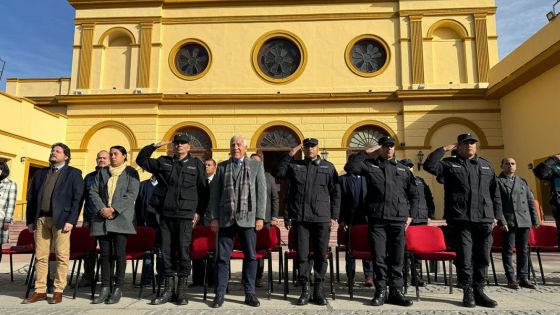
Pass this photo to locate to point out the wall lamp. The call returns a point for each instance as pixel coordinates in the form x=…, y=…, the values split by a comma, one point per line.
x=420, y=156
x=551, y=15
x=22, y=159
x=325, y=154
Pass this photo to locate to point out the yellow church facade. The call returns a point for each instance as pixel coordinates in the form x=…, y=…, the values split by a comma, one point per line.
x=345, y=72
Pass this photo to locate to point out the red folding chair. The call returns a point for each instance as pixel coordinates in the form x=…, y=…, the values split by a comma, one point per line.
x=25, y=245
x=543, y=240
x=497, y=245
x=291, y=253
x=203, y=247
x=428, y=243
x=341, y=243
x=276, y=246
x=138, y=247
x=358, y=248
x=263, y=251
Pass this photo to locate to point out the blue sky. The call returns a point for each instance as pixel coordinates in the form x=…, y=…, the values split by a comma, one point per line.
x=36, y=35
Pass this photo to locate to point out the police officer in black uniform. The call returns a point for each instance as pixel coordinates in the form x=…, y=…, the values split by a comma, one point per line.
x=472, y=207
x=425, y=214
x=549, y=170
x=392, y=201
x=181, y=198
x=313, y=206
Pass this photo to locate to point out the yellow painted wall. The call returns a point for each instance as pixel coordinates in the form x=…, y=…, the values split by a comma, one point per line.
x=26, y=135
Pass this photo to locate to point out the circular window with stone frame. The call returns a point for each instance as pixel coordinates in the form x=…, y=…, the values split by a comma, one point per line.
x=190, y=59
x=279, y=57
x=367, y=55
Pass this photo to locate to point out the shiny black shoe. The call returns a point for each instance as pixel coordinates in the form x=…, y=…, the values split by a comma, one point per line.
x=379, y=297
x=251, y=300
x=526, y=284
x=103, y=296
x=304, y=297
x=218, y=301
x=168, y=292
x=319, y=294
x=512, y=284
x=481, y=299
x=396, y=297
x=115, y=296
x=182, y=291
x=468, y=297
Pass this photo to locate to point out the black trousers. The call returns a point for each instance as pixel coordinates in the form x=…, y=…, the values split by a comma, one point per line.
x=176, y=236
x=116, y=243
x=473, y=242
x=318, y=235
x=248, y=238
x=518, y=237
x=386, y=239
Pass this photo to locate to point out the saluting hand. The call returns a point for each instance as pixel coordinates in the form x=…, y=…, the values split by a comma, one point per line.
x=295, y=150
x=373, y=149
x=450, y=147
x=162, y=143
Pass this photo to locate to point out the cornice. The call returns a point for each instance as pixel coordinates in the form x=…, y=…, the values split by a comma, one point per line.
x=449, y=11
x=238, y=19
x=207, y=99
x=93, y=4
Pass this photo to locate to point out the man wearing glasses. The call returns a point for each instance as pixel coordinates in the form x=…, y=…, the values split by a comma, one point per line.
x=181, y=198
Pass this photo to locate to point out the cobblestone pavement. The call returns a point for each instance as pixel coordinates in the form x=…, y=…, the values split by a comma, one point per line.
x=435, y=299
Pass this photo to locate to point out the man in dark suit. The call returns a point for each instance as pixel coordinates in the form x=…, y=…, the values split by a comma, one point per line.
x=518, y=216
x=271, y=214
x=353, y=190
x=54, y=203
x=237, y=203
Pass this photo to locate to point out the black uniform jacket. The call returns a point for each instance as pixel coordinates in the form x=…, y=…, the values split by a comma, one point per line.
x=549, y=170
x=426, y=207
x=182, y=185
x=469, y=196
x=314, y=194
x=391, y=190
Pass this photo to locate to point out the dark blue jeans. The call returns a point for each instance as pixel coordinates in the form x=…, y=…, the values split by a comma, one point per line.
x=248, y=238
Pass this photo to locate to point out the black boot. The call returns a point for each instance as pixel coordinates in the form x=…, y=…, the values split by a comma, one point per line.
x=182, y=291
x=397, y=297
x=318, y=294
x=115, y=297
x=304, y=297
x=379, y=297
x=103, y=296
x=468, y=297
x=481, y=299
x=168, y=292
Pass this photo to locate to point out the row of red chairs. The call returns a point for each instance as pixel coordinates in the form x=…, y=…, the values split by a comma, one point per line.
x=424, y=242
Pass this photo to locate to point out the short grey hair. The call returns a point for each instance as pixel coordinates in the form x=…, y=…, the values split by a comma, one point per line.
x=239, y=137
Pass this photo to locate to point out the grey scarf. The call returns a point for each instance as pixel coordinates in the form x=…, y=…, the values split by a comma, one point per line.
x=232, y=196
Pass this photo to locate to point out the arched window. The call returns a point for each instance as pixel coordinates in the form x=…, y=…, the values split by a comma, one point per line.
x=449, y=54
x=364, y=137
x=117, y=59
